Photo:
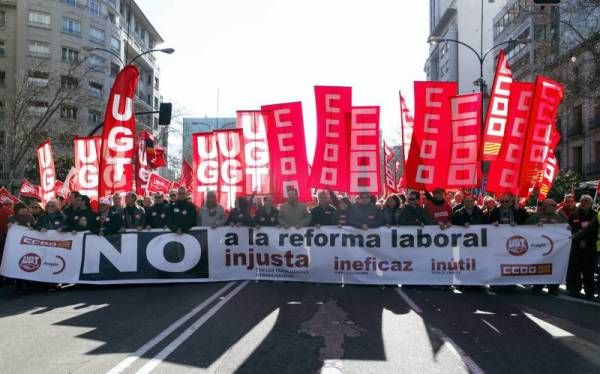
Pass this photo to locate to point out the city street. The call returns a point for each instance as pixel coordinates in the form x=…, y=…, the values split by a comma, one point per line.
x=264, y=327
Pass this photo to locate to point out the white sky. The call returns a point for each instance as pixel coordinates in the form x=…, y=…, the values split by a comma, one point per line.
x=272, y=51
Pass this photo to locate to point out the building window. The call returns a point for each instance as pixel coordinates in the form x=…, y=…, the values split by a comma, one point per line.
x=2, y=48
x=2, y=78
x=94, y=116
x=38, y=78
x=39, y=19
x=38, y=107
x=112, y=18
x=96, y=62
x=578, y=160
x=72, y=3
x=70, y=54
x=114, y=69
x=2, y=137
x=578, y=117
x=71, y=26
x=94, y=7
x=68, y=82
x=97, y=35
x=156, y=83
x=39, y=49
x=68, y=111
x=95, y=88
x=115, y=44
x=2, y=18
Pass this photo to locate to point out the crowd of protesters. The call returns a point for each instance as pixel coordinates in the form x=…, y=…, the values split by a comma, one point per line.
x=177, y=213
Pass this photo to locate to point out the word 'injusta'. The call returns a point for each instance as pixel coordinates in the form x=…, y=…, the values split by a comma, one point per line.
x=251, y=259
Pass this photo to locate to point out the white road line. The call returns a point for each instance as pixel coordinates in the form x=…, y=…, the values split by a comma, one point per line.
x=158, y=359
x=454, y=348
x=169, y=330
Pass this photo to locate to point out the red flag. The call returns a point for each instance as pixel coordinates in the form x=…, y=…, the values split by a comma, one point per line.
x=69, y=184
x=116, y=162
x=546, y=100
x=175, y=185
x=58, y=188
x=87, y=164
x=28, y=189
x=330, y=163
x=505, y=169
x=187, y=177
x=407, y=126
x=256, y=151
x=551, y=169
x=390, y=179
x=142, y=169
x=47, y=173
x=159, y=160
x=465, y=167
x=232, y=183
x=364, y=150
x=205, y=166
x=427, y=165
x=4, y=194
x=156, y=183
x=285, y=132
x=497, y=114
x=155, y=154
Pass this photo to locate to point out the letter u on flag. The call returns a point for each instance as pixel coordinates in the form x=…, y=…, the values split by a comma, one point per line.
x=116, y=161
x=47, y=173
x=256, y=151
x=330, y=163
x=87, y=163
x=205, y=166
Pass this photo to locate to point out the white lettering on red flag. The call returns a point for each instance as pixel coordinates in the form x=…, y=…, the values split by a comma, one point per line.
x=330, y=163
x=156, y=183
x=256, y=151
x=497, y=114
x=287, y=150
x=390, y=176
x=427, y=165
x=87, y=163
x=205, y=166
x=230, y=144
x=408, y=123
x=116, y=162
x=465, y=169
x=47, y=172
x=142, y=169
x=364, y=150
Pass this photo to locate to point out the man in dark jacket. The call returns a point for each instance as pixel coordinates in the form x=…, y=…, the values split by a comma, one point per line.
x=583, y=248
x=52, y=219
x=266, y=215
x=412, y=214
x=108, y=221
x=182, y=213
x=365, y=214
x=157, y=217
x=324, y=213
x=469, y=214
x=506, y=213
x=133, y=215
x=81, y=218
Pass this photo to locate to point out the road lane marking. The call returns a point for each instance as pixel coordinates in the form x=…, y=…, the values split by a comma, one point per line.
x=158, y=359
x=454, y=348
x=168, y=331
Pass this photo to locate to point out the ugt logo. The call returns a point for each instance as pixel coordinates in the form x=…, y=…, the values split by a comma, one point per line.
x=517, y=245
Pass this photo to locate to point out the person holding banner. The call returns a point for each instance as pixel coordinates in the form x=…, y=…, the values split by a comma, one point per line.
x=506, y=213
x=365, y=214
x=342, y=214
x=240, y=215
x=581, y=261
x=36, y=210
x=412, y=214
x=469, y=214
x=391, y=211
x=266, y=215
x=133, y=216
x=293, y=213
x=52, y=219
x=211, y=213
x=439, y=209
x=182, y=213
x=108, y=221
x=157, y=215
x=324, y=213
x=81, y=218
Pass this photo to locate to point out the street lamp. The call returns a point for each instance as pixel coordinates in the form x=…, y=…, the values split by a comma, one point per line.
x=113, y=53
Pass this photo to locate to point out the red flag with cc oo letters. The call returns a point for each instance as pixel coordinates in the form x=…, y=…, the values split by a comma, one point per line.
x=256, y=151
x=87, y=162
x=408, y=123
x=287, y=150
x=430, y=150
x=47, y=173
x=232, y=181
x=330, y=163
x=364, y=150
x=464, y=169
x=205, y=166
x=116, y=161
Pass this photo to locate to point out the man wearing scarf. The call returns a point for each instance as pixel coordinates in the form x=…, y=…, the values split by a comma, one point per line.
x=133, y=216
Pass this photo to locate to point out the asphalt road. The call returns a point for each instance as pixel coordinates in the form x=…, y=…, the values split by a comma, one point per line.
x=248, y=327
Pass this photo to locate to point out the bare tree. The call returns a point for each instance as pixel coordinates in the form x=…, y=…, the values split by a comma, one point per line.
x=34, y=111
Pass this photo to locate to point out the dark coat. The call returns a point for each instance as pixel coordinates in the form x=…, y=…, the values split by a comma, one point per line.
x=368, y=215
x=110, y=224
x=262, y=217
x=391, y=216
x=323, y=216
x=413, y=216
x=54, y=221
x=133, y=217
x=182, y=215
x=462, y=217
x=517, y=216
x=157, y=216
x=240, y=217
x=81, y=220
x=342, y=217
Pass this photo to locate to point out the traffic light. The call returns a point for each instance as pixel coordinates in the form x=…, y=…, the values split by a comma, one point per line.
x=164, y=113
x=546, y=2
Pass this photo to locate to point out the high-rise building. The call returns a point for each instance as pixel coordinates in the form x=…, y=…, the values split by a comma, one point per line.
x=461, y=20
x=55, y=45
x=562, y=40
x=194, y=125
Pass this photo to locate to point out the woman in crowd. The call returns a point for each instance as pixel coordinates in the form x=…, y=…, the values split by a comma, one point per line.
x=391, y=210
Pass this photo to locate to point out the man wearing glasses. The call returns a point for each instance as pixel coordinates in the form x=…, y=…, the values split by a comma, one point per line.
x=506, y=213
x=182, y=213
x=365, y=214
x=412, y=214
x=157, y=215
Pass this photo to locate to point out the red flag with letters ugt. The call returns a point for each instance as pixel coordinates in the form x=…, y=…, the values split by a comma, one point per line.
x=116, y=161
x=47, y=173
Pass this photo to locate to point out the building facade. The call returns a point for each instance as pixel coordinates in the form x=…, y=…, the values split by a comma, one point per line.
x=194, y=125
x=55, y=44
x=561, y=40
x=461, y=20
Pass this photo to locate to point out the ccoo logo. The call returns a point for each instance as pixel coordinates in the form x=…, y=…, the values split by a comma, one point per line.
x=517, y=245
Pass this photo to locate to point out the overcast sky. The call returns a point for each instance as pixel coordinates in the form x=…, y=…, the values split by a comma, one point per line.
x=271, y=51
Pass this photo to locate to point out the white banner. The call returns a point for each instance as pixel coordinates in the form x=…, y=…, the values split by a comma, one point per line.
x=477, y=255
